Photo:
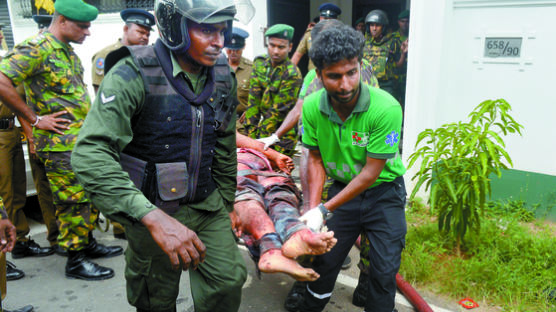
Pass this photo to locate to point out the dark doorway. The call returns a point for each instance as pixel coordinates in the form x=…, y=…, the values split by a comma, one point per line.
x=295, y=13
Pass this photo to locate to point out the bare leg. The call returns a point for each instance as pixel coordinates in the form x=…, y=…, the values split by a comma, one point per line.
x=305, y=242
x=273, y=261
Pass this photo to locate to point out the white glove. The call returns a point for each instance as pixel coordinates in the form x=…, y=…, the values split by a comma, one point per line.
x=314, y=218
x=269, y=141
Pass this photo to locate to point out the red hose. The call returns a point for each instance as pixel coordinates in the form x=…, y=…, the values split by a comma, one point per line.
x=412, y=295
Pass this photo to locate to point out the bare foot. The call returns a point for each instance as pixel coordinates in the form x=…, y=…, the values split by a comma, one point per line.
x=273, y=261
x=305, y=242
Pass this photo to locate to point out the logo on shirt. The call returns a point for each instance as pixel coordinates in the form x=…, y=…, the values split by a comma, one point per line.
x=359, y=138
x=392, y=138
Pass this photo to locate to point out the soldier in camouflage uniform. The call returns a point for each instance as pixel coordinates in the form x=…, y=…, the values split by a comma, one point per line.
x=137, y=29
x=275, y=84
x=382, y=50
x=7, y=233
x=52, y=75
x=401, y=71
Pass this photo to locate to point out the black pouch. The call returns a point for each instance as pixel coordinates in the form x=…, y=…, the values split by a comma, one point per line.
x=171, y=185
x=136, y=168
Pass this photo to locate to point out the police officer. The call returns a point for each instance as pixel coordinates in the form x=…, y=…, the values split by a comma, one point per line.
x=382, y=50
x=58, y=103
x=166, y=114
x=241, y=66
x=7, y=235
x=13, y=187
x=275, y=83
x=137, y=29
x=327, y=11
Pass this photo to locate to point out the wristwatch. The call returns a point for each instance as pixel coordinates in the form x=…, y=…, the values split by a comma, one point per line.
x=326, y=214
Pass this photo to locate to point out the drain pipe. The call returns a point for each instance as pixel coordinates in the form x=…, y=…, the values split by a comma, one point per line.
x=412, y=295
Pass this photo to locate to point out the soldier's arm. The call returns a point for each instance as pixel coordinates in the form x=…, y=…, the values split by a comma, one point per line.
x=301, y=49
x=254, y=99
x=19, y=65
x=105, y=133
x=289, y=90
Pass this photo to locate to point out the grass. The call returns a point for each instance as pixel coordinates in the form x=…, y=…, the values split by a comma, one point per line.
x=510, y=263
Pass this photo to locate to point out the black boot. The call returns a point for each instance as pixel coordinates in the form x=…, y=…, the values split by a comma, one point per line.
x=27, y=308
x=12, y=273
x=30, y=249
x=95, y=250
x=360, y=293
x=295, y=296
x=78, y=266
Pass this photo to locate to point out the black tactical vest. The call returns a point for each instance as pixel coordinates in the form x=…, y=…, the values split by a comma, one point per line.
x=175, y=126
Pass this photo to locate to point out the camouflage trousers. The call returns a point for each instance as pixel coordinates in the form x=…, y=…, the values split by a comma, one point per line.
x=277, y=193
x=75, y=213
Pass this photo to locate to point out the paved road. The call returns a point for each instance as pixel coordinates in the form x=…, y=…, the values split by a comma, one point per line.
x=46, y=287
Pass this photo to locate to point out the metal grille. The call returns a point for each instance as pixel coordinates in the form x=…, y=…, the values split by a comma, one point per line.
x=26, y=7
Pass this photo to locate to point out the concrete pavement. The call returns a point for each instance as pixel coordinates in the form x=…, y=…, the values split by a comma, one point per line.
x=48, y=290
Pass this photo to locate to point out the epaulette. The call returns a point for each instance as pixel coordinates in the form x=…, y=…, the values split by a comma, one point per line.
x=37, y=40
x=247, y=61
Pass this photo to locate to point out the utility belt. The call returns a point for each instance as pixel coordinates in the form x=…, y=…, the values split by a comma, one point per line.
x=7, y=123
x=164, y=184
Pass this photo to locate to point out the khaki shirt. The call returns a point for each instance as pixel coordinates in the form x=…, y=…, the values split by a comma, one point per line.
x=99, y=59
x=304, y=47
x=243, y=73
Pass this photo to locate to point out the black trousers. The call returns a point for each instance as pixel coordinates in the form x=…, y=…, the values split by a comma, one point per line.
x=378, y=211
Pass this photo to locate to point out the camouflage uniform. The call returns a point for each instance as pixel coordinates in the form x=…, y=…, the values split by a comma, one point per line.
x=382, y=55
x=98, y=61
x=400, y=73
x=273, y=94
x=304, y=47
x=52, y=75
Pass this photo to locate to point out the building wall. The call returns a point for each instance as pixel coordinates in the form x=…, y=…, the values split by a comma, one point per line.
x=448, y=75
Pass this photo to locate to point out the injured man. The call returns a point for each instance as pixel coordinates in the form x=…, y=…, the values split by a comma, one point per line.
x=266, y=213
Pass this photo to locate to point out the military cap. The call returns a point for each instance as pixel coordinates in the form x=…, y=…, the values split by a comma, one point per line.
x=76, y=10
x=138, y=16
x=360, y=20
x=329, y=10
x=238, y=39
x=403, y=14
x=42, y=21
x=281, y=31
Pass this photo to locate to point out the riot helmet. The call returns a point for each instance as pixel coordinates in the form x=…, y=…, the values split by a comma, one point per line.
x=377, y=17
x=172, y=15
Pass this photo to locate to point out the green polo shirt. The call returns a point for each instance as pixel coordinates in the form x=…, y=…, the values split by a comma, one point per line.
x=371, y=130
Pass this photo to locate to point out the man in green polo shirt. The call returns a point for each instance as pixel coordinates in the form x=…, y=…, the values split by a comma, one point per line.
x=352, y=132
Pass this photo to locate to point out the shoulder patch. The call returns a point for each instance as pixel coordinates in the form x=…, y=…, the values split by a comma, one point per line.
x=100, y=63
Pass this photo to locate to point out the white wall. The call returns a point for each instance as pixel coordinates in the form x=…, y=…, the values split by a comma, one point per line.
x=448, y=74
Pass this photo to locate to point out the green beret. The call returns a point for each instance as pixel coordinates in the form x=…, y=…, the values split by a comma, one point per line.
x=76, y=10
x=360, y=20
x=281, y=31
x=403, y=14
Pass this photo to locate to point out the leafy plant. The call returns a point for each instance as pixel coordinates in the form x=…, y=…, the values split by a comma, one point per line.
x=456, y=161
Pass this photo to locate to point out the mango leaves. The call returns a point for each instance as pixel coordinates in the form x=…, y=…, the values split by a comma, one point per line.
x=456, y=162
